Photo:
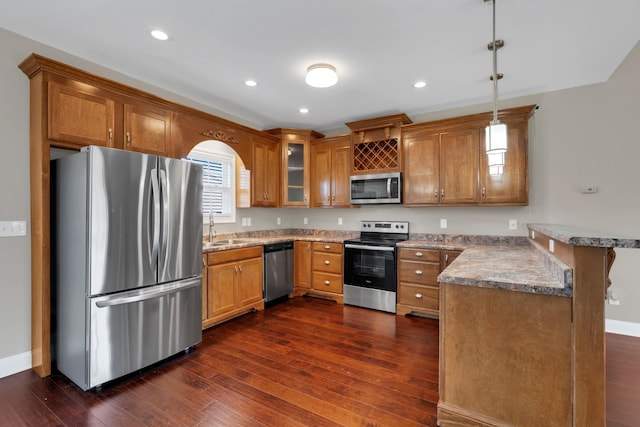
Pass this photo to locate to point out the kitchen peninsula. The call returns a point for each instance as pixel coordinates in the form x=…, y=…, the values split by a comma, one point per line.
x=526, y=346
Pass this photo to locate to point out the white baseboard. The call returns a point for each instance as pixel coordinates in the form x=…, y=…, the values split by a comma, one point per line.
x=14, y=364
x=622, y=328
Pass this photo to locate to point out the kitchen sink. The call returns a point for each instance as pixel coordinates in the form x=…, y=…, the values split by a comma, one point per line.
x=226, y=242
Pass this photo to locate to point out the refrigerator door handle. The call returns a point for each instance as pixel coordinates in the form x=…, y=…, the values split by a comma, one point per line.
x=149, y=294
x=165, y=215
x=155, y=192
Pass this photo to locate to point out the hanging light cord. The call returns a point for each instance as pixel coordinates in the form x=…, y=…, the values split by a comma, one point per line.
x=495, y=68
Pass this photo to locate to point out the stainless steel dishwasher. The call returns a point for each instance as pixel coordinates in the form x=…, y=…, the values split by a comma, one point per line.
x=278, y=270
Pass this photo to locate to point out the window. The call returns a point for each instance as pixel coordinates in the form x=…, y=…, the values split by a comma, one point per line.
x=218, y=183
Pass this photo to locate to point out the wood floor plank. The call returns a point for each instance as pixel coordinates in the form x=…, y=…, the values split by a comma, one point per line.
x=305, y=362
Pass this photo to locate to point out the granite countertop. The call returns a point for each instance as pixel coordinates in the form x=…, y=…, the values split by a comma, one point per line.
x=259, y=240
x=585, y=237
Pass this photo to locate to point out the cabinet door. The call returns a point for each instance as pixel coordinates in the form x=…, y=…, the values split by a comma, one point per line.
x=340, y=177
x=264, y=176
x=421, y=169
x=221, y=289
x=459, y=164
x=302, y=264
x=147, y=129
x=249, y=281
x=321, y=176
x=296, y=174
x=205, y=289
x=510, y=184
x=80, y=117
x=448, y=257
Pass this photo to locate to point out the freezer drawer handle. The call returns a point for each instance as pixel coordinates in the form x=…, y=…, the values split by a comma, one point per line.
x=165, y=290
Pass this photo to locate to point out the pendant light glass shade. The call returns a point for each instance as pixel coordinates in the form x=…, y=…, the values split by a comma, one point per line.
x=495, y=159
x=496, y=138
x=321, y=75
x=496, y=170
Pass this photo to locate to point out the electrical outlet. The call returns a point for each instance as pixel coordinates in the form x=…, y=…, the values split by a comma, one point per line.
x=13, y=228
x=612, y=297
x=244, y=222
x=513, y=224
x=443, y=223
x=279, y=221
x=339, y=221
x=305, y=221
x=552, y=245
x=249, y=221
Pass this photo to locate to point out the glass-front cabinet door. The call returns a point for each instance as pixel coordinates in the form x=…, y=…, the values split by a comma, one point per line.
x=296, y=158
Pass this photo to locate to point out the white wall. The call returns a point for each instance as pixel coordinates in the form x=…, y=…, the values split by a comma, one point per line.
x=582, y=136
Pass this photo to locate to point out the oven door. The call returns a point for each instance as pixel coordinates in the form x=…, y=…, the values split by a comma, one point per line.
x=370, y=266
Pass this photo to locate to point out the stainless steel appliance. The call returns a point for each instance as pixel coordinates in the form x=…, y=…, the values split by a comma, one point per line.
x=278, y=270
x=370, y=265
x=376, y=188
x=126, y=261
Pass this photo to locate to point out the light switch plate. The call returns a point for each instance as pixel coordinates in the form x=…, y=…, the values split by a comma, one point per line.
x=513, y=224
x=443, y=223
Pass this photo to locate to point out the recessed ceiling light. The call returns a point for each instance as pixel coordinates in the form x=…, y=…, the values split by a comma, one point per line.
x=251, y=83
x=159, y=35
x=303, y=110
x=420, y=84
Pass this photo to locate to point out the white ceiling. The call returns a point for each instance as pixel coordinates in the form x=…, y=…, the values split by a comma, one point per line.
x=379, y=47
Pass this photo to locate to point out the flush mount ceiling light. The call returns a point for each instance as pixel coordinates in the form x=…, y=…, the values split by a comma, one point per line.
x=251, y=83
x=303, y=110
x=321, y=75
x=496, y=132
x=159, y=35
x=420, y=84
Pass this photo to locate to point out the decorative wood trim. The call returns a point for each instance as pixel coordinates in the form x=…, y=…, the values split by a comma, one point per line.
x=379, y=122
x=481, y=119
x=219, y=135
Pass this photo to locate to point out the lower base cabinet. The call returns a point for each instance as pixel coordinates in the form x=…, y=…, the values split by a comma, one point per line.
x=326, y=265
x=234, y=284
x=418, y=288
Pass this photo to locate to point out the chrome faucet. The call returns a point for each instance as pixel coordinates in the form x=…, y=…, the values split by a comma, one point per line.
x=212, y=232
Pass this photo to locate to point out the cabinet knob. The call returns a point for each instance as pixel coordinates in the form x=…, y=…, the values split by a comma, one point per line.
x=326, y=262
x=442, y=194
x=110, y=134
x=334, y=198
x=329, y=198
x=240, y=268
x=326, y=282
x=327, y=247
x=128, y=138
x=419, y=272
x=435, y=194
x=419, y=254
x=484, y=192
x=235, y=267
x=418, y=296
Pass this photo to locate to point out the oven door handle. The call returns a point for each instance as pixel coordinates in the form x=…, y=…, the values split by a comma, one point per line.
x=369, y=248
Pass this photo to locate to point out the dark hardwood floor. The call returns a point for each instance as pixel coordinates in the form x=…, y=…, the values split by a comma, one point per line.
x=305, y=362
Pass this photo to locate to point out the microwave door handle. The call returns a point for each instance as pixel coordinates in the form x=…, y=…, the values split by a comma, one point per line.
x=388, y=187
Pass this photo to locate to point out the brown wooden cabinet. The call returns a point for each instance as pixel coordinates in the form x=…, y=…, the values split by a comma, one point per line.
x=326, y=276
x=330, y=172
x=441, y=168
x=510, y=185
x=147, y=128
x=444, y=162
x=234, y=284
x=301, y=267
x=296, y=158
x=418, y=287
x=80, y=114
x=265, y=173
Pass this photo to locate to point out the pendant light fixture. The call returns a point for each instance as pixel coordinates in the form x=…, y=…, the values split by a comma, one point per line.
x=496, y=132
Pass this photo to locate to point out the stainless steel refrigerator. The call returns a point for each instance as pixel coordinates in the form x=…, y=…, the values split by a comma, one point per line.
x=126, y=262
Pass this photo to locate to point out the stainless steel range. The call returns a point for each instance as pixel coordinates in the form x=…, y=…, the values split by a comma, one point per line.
x=370, y=274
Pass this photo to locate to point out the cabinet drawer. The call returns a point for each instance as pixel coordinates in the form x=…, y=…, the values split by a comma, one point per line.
x=327, y=282
x=419, y=254
x=335, y=248
x=328, y=263
x=424, y=273
x=419, y=296
x=233, y=255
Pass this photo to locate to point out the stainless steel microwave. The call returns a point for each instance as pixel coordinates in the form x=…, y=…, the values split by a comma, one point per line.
x=376, y=188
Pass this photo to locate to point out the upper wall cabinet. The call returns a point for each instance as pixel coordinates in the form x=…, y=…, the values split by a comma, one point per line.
x=80, y=114
x=330, y=170
x=296, y=154
x=444, y=162
x=147, y=128
x=265, y=176
x=376, y=144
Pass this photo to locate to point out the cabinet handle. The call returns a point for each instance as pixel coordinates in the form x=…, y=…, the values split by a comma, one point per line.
x=326, y=282
x=235, y=267
x=334, y=198
x=110, y=134
x=419, y=272
x=484, y=193
x=418, y=296
x=326, y=262
x=446, y=258
x=442, y=194
x=128, y=138
x=435, y=194
x=327, y=247
x=419, y=254
x=308, y=247
x=240, y=268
